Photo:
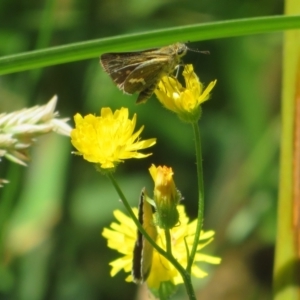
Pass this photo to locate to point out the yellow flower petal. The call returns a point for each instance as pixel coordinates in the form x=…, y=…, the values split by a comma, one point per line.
x=108, y=139
x=197, y=272
x=161, y=270
x=184, y=101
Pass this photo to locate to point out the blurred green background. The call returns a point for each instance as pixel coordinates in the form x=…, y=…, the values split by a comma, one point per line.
x=59, y=204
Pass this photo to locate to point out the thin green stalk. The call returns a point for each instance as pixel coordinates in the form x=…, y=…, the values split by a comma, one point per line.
x=7, y=204
x=133, y=216
x=200, y=194
x=43, y=40
x=196, y=32
x=187, y=282
x=185, y=275
x=46, y=24
x=286, y=277
x=168, y=241
x=45, y=30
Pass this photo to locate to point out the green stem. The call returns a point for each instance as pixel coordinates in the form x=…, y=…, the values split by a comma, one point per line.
x=7, y=205
x=133, y=216
x=200, y=194
x=168, y=241
x=185, y=275
x=130, y=42
x=188, y=283
x=286, y=277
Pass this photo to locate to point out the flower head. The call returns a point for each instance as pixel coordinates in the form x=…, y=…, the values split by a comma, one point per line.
x=184, y=101
x=108, y=139
x=124, y=233
x=166, y=196
x=19, y=129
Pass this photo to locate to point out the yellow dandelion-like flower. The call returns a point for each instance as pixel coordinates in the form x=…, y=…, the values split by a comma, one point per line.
x=121, y=237
x=108, y=139
x=184, y=101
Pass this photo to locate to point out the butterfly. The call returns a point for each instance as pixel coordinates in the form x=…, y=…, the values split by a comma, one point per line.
x=141, y=71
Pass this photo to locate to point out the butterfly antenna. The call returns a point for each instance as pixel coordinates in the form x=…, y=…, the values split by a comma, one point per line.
x=199, y=51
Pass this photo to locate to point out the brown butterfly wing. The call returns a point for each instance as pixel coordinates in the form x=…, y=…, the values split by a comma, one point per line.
x=120, y=65
x=117, y=68
x=140, y=71
x=144, y=76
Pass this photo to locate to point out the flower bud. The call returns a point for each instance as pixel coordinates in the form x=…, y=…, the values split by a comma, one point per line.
x=166, y=196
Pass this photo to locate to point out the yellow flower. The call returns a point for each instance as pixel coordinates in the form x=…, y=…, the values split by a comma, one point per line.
x=108, y=139
x=184, y=101
x=166, y=196
x=121, y=237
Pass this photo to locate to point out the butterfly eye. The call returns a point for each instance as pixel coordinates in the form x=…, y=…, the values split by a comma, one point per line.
x=181, y=51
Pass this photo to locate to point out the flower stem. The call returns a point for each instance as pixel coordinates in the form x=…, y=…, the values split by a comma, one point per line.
x=200, y=194
x=132, y=215
x=188, y=284
x=286, y=275
x=168, y=255
x=168, y=241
